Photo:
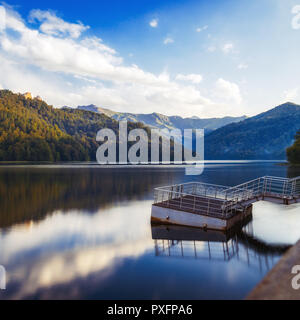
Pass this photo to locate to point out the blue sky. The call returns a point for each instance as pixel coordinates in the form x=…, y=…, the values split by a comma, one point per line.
x=207, y=58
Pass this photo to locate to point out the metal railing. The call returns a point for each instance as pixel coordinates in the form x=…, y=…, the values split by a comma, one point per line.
x=271, y=186
x=199, y=198
x=295, y=186
x=220, y=201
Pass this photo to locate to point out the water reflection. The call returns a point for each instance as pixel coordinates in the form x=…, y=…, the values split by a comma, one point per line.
x=186, y=243
x=239, y=244
x=64, y=248
x=85, y=233
x=31, y=193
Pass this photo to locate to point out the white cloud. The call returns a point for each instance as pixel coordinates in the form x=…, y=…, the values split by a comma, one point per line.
x=86, y=57
x=242, y=66
x=228, y=47
x=200, y=29
x=65, y=67
x=2, y=18
x=52, y=25
x=153, y=23
x=290, y=94
x=229, y=91
x=194, y=78
x=168, y=40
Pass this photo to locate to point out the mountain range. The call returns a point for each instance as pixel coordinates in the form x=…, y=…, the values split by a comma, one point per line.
x=161, y=121
x=31, y=130
x=265, y=136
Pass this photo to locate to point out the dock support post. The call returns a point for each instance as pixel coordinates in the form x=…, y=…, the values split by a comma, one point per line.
x=285, y=200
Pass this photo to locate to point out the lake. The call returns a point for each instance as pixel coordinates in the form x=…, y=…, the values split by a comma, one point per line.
x=81, y=231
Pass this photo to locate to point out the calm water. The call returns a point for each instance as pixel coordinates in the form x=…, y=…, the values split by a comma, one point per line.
x=82, y=232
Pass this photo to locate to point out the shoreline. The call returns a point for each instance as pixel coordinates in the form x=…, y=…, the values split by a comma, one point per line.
x=277, y=284
x=94, y=164
x=280, y=162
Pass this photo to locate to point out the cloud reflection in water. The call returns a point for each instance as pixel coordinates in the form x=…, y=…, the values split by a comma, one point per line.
x=64, y=247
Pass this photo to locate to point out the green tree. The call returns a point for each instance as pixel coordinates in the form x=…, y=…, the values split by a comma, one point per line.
x=31, y=130
x=293, y=152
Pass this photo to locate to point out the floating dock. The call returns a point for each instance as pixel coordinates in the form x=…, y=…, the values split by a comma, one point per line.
x=216, y=207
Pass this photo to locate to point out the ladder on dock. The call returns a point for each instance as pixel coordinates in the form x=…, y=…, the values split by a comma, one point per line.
x=223, y=201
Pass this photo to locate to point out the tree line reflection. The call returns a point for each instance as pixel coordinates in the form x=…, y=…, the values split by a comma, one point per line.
x=32, y=193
